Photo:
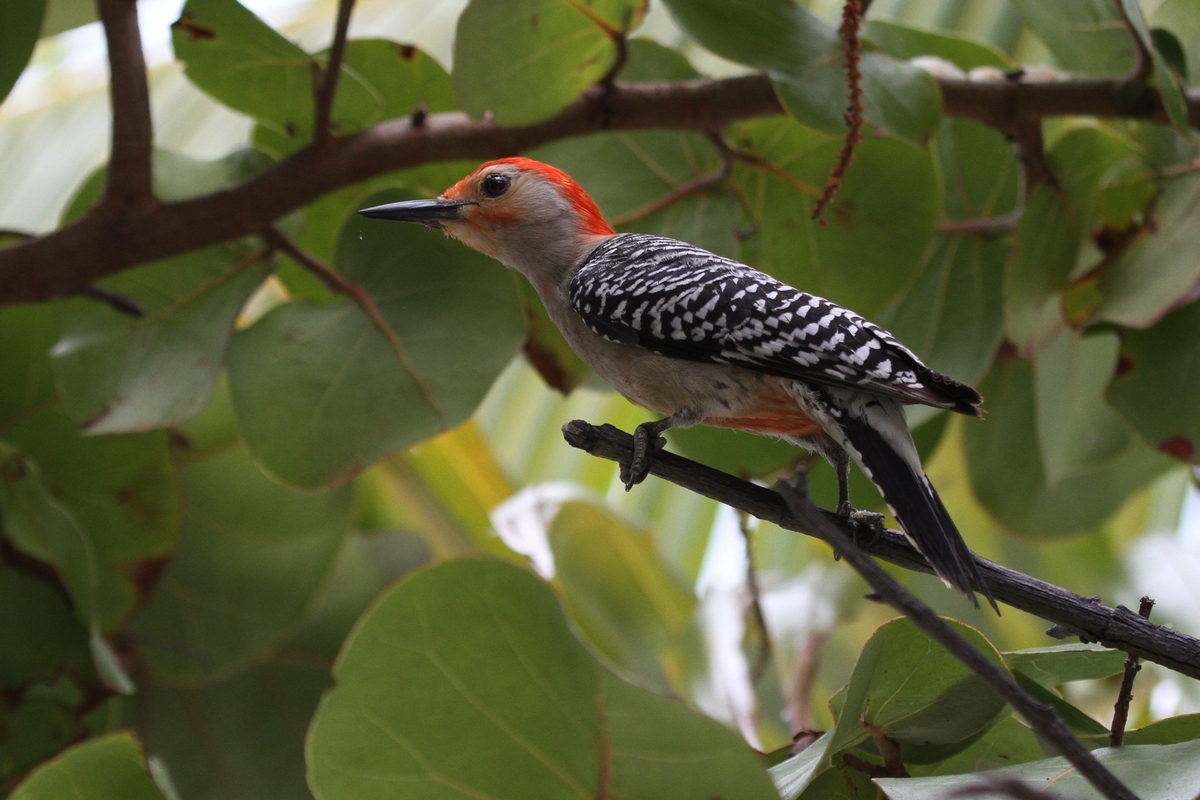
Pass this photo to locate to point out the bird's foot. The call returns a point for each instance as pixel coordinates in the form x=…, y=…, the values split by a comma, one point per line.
x=871, y=520
x=646, y=442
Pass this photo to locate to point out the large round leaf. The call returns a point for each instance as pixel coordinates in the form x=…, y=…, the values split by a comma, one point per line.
x=112, y=767
x=324, y=390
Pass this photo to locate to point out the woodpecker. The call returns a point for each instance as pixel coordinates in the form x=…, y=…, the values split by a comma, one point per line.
x=703, y=339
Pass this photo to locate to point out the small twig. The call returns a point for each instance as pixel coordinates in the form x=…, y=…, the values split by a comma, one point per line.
x=119, y=302
x=866, y=767
x=889, y=751
x=715, y=178
x=804, y=679
x=1116, y=736
x=1087, y=618
x=760, y=620
x=129, y=183
x=1040, y=716
x=336, y=282
x=852, y=14
x=983, y=227
x=325, y=81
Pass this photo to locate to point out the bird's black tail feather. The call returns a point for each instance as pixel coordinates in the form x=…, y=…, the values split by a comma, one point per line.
x=917, y=507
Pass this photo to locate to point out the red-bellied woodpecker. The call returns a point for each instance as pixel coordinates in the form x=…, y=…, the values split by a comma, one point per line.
x=706, y=340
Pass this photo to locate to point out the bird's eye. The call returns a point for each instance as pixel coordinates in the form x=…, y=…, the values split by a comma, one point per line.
x=495, y=184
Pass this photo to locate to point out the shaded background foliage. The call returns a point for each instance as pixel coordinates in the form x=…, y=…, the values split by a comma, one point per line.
x=199, y=504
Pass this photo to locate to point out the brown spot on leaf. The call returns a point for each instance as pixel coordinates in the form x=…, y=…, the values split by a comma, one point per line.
x=533, y=21
x=1125, y=365
x=408, y=52
x=194, y=30
x=1177, y=446
x=1007, y=351
x=146, y=575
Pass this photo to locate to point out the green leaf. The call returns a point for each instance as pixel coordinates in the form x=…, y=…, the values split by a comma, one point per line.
x=650, y=62
x=1006, y=743
x=903, y=42
x=63, y=15
x=1005, y=464
x=661, y=749
x=39, y=636
x=952, y=316
x=1173, y=730
x=1046, y=246
x=244, y=736
x=1079, y=722
x=793, y=776
x=482, y=647
x=617, y=590
x=323, y=391
x=735, y=452
x=379, y=80
x=1084, y=35
x=32, y=729
x=1154, y=772
x=245, y=64
x=914, y=692
x=1054, y=666
x=1158, y=379
x=20, y=23
x=801, y=54
x=979, y=170
x=111, y=767
x=251, y=556
x=1173, y=98
x=878, y=226
x=524, y=60
x=1158, y=269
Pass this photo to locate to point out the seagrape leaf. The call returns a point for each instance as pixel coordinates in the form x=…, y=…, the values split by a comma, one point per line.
x=1155, y=772
x=979, y=170
x=20, y=23
x=379, y=80
x=117, y=373
x=252, y=555
x=1047, y=241
x=39, y=635
x=904, y=42
x=1084, y=35
x=524, y=60
x=1054, y=666
x=1007, y=742
x=111, y=767
x=418, y=703
x=1173, y=98
x=952, y=316
x=617, y=590
x=245, y=735
x=915, y=692
x=802, y=55
x=793, y=776
x=1158, y=382
x=243, y=63
x=324, y=390
x=878, y=226
x=32, y=729
x=1005, y=464
x=1160, y=267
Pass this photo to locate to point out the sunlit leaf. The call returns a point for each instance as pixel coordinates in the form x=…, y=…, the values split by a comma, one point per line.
x=1054, y=666
x=524, y=60
x=903, y=42
x=1084, y=35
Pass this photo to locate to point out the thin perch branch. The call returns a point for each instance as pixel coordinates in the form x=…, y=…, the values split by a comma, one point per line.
x=1090, y=620
x=325, y=81
x=1040, y=716
x=1116, y=736
x=130, y=176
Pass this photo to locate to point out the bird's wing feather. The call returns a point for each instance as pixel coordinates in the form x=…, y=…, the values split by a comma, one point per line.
x=681, y=301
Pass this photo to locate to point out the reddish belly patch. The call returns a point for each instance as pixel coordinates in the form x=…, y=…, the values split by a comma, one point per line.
x=775, y=413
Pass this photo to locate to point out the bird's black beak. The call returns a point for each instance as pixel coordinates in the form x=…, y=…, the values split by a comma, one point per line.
x=423, y=212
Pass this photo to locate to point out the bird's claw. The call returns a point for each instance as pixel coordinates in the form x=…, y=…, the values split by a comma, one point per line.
x=644, y=449
x=871, y=520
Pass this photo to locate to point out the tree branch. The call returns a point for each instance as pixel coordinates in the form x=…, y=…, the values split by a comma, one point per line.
x=1118, y=628
x=1116, y=735
x=64, y=262
x=325, y=81
x=130, y=176
x=1040, y=716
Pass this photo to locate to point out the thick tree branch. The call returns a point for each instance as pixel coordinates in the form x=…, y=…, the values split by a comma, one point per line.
x=64, y=262
x=129, y=186
x=1040, y=716
x=1118, y=628
x=325, y=81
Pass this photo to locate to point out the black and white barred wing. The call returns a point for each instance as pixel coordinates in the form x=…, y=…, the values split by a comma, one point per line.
x=681, y=301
